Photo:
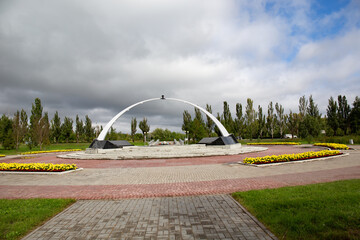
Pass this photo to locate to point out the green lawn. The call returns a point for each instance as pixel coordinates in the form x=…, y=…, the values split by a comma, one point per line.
x=18, y=217
x=319, y=211
x=59, y=146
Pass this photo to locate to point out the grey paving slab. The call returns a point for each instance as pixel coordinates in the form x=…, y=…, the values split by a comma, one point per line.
x=197, y=217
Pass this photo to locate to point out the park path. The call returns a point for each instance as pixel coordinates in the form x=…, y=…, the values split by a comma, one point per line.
x=165, y=198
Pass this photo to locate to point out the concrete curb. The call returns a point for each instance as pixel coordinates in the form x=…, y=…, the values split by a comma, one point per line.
x=40, y=173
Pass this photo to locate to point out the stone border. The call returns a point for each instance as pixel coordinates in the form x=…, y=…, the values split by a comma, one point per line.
x=292, y=162
x=262, y=226
x=40, y=173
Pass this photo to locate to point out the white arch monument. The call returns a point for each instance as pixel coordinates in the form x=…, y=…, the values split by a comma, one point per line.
x=225, y=134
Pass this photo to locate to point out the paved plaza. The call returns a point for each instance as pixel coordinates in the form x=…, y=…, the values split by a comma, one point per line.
x=198, y=217
x=182, y=198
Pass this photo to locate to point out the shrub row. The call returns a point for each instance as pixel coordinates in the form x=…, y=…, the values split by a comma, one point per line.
x=274, y=143
x=291, y=157
x=37, y=167
x=333, y=145
x=50, y=151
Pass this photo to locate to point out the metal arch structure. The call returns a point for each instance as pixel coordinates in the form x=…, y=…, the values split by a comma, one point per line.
x=221, y=127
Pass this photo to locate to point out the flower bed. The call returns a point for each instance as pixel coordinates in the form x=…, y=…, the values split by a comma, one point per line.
x=274, y=143
x=37, y=167
x=333, y=145
x=291, y=157
x=50, y=151
x=2, y=155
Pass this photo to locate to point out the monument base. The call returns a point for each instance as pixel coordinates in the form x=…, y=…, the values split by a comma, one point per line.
x=106, y=144
x=229, y=140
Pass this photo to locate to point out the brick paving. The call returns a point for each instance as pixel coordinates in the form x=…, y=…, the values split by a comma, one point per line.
x=117, y=186
x=199, y=217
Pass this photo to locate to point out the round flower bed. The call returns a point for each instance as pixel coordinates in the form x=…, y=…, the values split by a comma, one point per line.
x=50, y=151
x=291, y=157
x=333, y=145
x=37, y=167
x=274, y=143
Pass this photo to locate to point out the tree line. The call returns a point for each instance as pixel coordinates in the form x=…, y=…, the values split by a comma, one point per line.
x=39, y=130
x=252, y=123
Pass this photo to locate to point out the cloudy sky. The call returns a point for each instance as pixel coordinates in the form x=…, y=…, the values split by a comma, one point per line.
x=95, y=58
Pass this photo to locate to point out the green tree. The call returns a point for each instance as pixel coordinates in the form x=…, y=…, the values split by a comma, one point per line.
x=111, y=135
x=332, y=115
x=343, y=114
x=35, y=118
x=355, y=116
x=250, y=116
x=281, y=119
x=186, y=126
x=227, y=120
x=261, y=122
x=44, y=131
x=55, y=128
x=303, y=105
x=67, y=129
x=6, y=132
x=88, y=129
x=239, y=121
x=133, y=128
x=144, y=127
x=209, y=122
x=271, y=120
x=197, y=130
x=79, y=129
x=293, y=123
x=312, y=120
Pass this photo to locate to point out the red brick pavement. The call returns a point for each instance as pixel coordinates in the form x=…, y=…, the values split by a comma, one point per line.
x=177, y=189
x=51, y=158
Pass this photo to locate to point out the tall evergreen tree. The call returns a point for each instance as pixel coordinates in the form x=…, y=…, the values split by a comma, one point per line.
x=133, y=128
x=79, y=129
x=16, y=129
x=55, y=128
x=67, y=129
x=88, y=129
x=44, y=131
x=239, y=121
x=271, y=120
x=343, y=114
x=355, y=116
x=332, y=116
x=281, y=118
x=261, y=122
x=226, y=117
x=209, y=122
x=36, y=115
x=250, y=116
x=312, y=121
x=6, y=132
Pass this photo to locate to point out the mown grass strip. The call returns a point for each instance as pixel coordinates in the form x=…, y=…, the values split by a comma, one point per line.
x=318, y=211
x=20, y=216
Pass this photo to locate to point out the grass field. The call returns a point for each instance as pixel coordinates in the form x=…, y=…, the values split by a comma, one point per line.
x=18, y=217
x=59, y=146
x=319, y=211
